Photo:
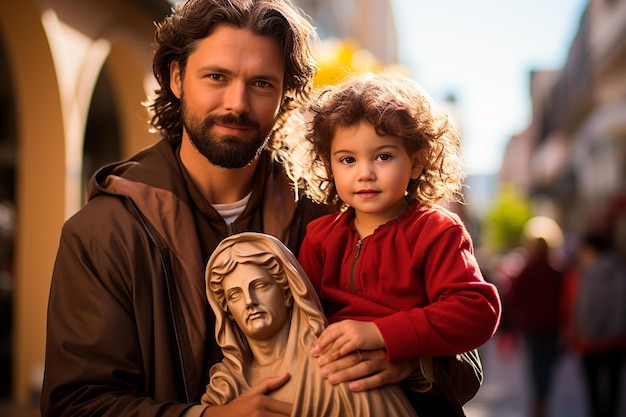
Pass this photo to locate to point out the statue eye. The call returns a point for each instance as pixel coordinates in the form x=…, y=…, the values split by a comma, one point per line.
x=233, y=295
x=262, y=284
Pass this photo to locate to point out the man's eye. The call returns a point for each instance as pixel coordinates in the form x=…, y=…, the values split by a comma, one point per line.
x=215, y=77
x=262, y=84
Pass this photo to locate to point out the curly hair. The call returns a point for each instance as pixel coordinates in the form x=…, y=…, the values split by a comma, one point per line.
x=394, y=105
x=177, y=36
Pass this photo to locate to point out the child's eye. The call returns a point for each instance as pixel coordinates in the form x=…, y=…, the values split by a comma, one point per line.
x=347, y=160
x=384, y=157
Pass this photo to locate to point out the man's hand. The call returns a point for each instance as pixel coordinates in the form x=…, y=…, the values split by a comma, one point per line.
x=367, y=370
x=254, y=402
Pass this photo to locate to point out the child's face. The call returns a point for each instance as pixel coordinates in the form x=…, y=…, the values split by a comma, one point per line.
x=372, y=172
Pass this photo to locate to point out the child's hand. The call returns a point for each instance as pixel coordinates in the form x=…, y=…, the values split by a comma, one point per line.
x=344, y=337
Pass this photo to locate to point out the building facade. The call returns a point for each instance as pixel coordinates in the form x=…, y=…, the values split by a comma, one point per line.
x=573, y=163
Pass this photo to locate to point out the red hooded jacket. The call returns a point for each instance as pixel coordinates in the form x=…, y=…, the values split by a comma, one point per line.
x=415, y=277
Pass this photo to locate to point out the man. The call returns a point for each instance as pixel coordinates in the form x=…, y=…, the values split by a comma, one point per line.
x=129, y=330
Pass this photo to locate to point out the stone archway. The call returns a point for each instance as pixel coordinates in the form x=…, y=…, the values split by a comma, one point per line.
x=129, y=69
x=117, y=124
x=56, y=50
x=40, y=182
x=8, y=146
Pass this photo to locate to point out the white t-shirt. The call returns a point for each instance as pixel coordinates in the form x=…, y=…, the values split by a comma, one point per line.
x=231, y=211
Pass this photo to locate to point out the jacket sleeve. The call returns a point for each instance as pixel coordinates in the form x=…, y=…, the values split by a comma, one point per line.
x=463, y=310
x=94, y=362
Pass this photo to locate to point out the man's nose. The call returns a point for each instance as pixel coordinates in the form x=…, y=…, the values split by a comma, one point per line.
x=236, y=98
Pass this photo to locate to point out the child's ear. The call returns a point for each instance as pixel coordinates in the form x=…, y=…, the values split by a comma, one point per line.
x=417, y=165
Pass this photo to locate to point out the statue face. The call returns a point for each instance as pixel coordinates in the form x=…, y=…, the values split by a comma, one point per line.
x=256, y=302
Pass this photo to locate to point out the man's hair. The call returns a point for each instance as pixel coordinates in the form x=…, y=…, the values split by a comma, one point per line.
x=178, y=34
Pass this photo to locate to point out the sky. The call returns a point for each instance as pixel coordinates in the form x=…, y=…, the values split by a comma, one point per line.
x=482, y=51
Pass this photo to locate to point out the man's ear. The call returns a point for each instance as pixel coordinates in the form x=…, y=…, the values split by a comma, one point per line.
x=176, y=81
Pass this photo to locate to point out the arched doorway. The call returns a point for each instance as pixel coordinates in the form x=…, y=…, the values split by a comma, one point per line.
x=8, y=140
x=102, y=130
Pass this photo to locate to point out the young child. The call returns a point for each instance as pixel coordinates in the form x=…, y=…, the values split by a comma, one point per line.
x=393, y=270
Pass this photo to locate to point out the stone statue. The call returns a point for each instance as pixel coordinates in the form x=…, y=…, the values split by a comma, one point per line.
x=267, y=317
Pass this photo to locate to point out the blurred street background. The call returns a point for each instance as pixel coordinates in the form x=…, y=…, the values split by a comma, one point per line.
x=505, y=391
x=537, y=87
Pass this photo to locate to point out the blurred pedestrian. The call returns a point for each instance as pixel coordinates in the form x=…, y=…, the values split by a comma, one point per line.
x=597, y=330
x=534, y=307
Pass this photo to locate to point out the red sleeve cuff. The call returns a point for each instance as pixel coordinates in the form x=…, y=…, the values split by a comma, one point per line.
x=400, y=336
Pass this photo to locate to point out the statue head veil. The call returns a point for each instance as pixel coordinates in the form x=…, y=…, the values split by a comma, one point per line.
x=307, y=317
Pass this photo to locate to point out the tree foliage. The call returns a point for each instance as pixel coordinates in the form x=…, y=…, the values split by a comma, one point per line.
x=503, y=224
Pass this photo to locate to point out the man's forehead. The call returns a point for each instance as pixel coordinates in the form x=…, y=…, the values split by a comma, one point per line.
x=239, y=48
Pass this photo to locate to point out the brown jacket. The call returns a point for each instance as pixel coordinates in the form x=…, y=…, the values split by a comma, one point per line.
x=129, y=331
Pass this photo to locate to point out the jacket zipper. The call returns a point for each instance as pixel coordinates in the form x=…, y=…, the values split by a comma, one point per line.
x=170, y=297
x=353, y=269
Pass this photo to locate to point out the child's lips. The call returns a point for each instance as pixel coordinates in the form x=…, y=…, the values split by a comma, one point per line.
x=367, y=193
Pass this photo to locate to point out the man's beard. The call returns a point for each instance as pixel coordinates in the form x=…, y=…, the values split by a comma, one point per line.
x=224, y=151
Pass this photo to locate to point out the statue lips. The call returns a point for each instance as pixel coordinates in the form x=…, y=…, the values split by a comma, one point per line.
x=255, y=315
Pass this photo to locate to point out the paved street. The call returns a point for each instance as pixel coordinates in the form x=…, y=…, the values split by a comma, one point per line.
x=505, y=391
